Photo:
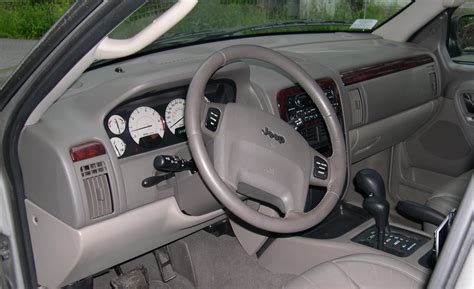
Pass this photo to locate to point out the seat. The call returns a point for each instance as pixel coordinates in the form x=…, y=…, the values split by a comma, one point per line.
x=360, y=271
x=448, y=197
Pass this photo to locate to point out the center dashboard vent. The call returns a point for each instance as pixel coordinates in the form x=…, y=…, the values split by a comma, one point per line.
x=433, y=80
x=97, y=188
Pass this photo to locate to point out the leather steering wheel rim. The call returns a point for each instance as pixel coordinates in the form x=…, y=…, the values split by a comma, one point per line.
x=293, y=221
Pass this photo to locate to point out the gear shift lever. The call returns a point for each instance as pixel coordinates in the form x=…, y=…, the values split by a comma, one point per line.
x=370, y=185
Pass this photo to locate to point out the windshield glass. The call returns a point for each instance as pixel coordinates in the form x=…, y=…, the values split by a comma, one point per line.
x=221, y=19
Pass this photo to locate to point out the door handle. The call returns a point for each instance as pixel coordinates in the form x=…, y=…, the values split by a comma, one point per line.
x=469, y=101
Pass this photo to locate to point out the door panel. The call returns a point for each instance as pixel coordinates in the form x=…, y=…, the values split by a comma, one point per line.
x=437, y=153
x=444, y=148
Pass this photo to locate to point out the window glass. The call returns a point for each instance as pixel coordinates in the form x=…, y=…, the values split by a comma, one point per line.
x=220, y=19
x=461, y=34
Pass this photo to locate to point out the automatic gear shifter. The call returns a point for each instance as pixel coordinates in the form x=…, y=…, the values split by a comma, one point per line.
x=370, y=185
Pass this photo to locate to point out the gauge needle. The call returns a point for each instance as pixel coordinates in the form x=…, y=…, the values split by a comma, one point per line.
x=177, y=122
x=118, y=128
x=143, y=127
x=116, y=149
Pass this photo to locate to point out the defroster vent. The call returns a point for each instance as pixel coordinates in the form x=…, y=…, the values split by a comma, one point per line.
x=97, y=189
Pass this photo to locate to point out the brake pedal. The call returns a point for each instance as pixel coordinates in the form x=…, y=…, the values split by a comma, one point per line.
x=163, y=260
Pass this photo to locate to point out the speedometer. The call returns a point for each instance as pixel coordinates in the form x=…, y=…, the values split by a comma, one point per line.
x=146, y=126
x=174, y=114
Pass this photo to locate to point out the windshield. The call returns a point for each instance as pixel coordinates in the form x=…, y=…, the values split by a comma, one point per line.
x=221, y=19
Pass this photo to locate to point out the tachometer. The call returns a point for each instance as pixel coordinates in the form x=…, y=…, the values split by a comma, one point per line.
x=174, y=114
x=116, y=124
x=146, y=126
x=119, y=146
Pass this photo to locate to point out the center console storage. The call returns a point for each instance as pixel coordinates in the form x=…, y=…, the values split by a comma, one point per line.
x=341, y=220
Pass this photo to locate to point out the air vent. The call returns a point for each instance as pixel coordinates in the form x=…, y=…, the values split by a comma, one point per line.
x=97, y=189
x=434, y=83
x=433, y=80
x=357, y=106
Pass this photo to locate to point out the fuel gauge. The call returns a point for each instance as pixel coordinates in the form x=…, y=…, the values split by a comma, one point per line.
x=119, y=146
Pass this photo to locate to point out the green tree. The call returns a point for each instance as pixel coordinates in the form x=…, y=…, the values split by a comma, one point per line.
x=356, y=5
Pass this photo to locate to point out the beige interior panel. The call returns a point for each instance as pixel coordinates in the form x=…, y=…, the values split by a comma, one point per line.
x=377, y=136
x=64, y=255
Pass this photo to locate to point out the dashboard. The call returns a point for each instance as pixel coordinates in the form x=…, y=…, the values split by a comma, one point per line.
x=156, y=119
x=381, y=91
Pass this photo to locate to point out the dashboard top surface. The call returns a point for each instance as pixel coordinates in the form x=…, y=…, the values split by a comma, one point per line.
x=322, y=55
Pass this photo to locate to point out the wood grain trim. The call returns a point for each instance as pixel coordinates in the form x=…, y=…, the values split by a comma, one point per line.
x=381, y=69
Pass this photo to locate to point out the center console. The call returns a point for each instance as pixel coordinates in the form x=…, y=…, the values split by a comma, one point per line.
x=354, y=226
x=396, y=241
x=298, y=109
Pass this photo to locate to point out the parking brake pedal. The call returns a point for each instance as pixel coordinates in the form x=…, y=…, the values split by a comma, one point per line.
x=163, y=260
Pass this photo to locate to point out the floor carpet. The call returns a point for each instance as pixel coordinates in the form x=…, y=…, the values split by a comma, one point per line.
x=217, y=263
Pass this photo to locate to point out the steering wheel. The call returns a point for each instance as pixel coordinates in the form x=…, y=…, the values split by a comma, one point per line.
x=257, y=155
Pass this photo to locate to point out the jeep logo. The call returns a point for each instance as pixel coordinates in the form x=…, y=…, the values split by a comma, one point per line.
x=272, y=135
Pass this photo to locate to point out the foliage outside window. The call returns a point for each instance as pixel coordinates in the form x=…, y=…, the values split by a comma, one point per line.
x=221, y=15
x=29, y=19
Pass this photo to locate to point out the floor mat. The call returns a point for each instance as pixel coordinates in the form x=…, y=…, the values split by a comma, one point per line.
x=218, y=262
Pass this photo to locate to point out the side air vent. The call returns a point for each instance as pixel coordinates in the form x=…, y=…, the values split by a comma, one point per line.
x=433, y=80
x=357, y=106
x=97, y=189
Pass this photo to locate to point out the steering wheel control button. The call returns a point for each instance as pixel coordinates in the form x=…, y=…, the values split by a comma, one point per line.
x=320, y=168
x=212, y=118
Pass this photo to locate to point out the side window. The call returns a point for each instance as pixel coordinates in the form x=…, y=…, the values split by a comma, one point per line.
x=461, y=34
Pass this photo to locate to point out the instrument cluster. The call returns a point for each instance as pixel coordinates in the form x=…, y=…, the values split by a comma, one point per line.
x=156, y=119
